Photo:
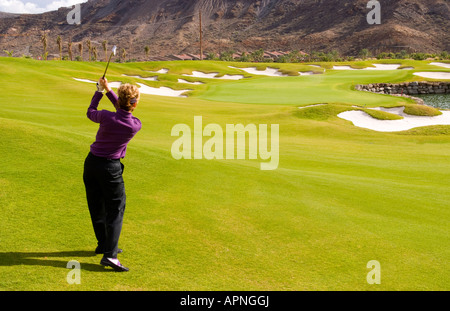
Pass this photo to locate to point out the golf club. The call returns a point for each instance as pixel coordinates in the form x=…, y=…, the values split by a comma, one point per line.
x=112, y=53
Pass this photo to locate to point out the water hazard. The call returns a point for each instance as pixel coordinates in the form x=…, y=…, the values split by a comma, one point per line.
x=440, y=101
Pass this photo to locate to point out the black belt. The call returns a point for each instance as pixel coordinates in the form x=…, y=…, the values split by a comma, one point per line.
x=101, y=158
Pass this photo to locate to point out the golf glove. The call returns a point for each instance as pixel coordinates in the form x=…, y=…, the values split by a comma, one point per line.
x=100, y=88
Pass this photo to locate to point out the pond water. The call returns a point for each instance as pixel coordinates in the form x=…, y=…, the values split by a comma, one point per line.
x=441, y=101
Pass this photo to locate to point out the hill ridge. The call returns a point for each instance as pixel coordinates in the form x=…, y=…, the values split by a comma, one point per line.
x=172, y=26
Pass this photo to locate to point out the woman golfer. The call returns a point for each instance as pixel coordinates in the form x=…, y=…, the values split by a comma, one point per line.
x=105, y=190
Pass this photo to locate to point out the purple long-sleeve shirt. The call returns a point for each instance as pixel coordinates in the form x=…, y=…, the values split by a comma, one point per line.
x=116, y=128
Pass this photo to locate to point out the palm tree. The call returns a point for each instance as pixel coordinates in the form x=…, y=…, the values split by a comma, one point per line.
x=94, y=50
x=80, y=48
x=258, y=56
x=44, y=43
x=147, y=50
x=364, y=54
x=124, y=54
x=227, y=56
x=9, y=53
x=105, y=48
x=89, y=45
x=244, y=57
x=212, y=56
x=69, y=48
x=59, y=42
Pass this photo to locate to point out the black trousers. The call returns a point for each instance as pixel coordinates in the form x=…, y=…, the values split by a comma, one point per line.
x=105, y=193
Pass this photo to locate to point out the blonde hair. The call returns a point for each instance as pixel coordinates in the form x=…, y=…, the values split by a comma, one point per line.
x=128, y=96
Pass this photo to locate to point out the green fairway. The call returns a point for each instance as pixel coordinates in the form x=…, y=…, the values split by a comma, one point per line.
x=341, y=196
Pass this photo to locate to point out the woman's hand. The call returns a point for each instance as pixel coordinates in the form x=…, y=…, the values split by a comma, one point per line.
x=104, y=83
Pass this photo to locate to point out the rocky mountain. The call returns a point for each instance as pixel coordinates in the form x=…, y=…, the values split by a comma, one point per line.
x=172, y=26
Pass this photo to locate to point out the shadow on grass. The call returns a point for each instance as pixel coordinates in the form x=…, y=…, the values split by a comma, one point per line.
x=47, y=259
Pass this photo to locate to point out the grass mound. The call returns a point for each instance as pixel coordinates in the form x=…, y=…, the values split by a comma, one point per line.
x=422, y=110
x=382, y=115
x=322, y=111
x=434, y=130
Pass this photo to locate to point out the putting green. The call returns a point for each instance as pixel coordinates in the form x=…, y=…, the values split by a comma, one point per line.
x=341, y=196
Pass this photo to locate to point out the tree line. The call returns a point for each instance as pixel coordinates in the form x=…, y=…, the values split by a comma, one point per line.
x=92, y=49
x=230, y=55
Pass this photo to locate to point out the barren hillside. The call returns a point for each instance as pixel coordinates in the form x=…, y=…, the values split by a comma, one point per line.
x=172, y=26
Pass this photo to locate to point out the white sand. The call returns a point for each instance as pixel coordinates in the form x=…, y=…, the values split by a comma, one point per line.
x=144, y=89
x=316, y=105
x=213, y=75
x=343, y=68
x=384, y=67
x=362, y=119
x=139, y=77
x=184, y=81
x=199, y=74
x=115, y=85
x=164, y=70
x=441, y=65
x=231, y=77
x=162, y=91
x=434, y=75
x=271, y=72
x=84, y=80
x=377, y=67
x=112, y=84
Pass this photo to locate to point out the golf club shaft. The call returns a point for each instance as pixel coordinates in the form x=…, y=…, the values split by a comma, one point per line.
x=107, y=65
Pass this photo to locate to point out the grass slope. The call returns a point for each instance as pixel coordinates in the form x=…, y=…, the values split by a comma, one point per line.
x=342, y=195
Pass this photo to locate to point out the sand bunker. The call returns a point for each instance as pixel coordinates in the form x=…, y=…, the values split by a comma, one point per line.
x=362, y=119
x=231, y=77
x=434, y=75
x=144, y=89
x=162, y=91
x=271, y=72
x=316, y=105
x=111, y=84
x=164, y=70
x=85, y=80
x=306, y=73
x=377, y=67
x=343, y=68
x=384, y=67
x=139, y=77
x=188, y=82
x=213, y=75
x=441, y=65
